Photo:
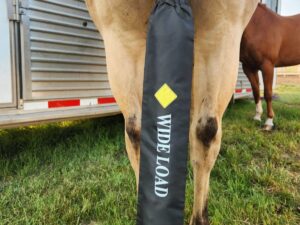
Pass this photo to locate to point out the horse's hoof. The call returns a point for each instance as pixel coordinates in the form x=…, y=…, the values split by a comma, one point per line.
x=257, y=118
x=268, y=128
x=199, y=222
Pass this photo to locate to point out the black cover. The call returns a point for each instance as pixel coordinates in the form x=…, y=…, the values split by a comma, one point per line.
x=165, y=114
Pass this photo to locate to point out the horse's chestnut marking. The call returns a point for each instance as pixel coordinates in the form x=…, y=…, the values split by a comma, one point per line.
x=202, y=220
x=206, y=131
x=133, y=132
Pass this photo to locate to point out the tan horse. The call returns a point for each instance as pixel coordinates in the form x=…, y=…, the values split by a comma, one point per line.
x=269, y=41
x=219, y=25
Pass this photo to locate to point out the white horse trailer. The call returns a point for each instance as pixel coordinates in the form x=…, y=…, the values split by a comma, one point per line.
x=52, y=63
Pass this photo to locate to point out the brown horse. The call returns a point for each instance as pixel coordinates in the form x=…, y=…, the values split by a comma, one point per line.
x=269, y=41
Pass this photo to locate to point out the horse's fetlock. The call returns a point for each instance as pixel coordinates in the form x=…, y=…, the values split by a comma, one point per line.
x=259, y=108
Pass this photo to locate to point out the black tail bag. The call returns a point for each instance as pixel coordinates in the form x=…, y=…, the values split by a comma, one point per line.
x=165, y=114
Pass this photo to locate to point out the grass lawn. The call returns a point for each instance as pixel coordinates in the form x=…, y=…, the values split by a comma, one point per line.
x=78, y=172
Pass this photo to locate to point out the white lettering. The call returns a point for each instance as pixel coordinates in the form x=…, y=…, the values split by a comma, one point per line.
x=162, y=171
x=163, y=148
x=165, y=121
x=162, y=161
x=161, y=192
x=163, y=136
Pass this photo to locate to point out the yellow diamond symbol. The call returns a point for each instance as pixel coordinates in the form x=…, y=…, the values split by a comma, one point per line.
x=165, y=96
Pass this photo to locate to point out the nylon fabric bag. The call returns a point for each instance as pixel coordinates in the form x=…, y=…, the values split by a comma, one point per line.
x=166, y=114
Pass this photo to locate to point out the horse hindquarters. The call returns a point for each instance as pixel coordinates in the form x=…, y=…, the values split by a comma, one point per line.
x=215, y=73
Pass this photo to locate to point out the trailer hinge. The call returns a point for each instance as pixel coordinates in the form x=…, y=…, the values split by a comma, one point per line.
x=14, y=10
x=21, y=104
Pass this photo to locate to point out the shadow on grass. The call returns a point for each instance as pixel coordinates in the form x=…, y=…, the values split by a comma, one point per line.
x=33, y=148
x=17, y=140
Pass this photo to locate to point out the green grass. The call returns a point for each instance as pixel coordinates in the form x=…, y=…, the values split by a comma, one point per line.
x=78, y=172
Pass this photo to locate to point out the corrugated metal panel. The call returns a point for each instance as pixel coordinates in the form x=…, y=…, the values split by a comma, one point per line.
x=242, y=82
x=67, y=56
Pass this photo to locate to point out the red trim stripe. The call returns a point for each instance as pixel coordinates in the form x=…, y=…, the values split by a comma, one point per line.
x=63, y=103
x=109, y=100
x=241, y=90
x=76, y=102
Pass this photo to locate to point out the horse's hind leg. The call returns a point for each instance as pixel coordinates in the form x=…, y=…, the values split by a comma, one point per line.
x=126, y=68
x=252, y=75
x=205, y=144
x=268, y=75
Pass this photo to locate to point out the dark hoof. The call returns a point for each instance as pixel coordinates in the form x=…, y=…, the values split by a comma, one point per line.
x=199, y=221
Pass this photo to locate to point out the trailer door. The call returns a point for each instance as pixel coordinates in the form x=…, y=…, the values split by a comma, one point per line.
x=7, y=85
x=63, y=53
